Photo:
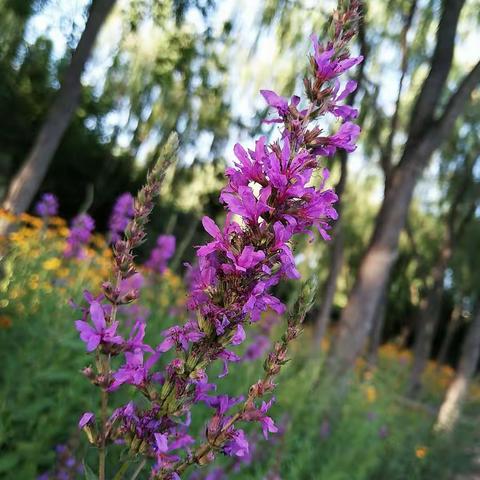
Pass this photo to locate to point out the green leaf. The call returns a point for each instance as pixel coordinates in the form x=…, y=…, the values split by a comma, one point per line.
x=89, y=475
x=8, y=461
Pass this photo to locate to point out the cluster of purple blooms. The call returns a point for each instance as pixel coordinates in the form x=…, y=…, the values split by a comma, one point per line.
x=47, y=206
x=161, y=254
x=80, y=233
x=122, y=213
x=270, y=197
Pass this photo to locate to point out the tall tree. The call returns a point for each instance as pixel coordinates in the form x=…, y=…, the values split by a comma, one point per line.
x=457, y=391
x=454, y=323
x=455, y=222
x=386, y=161
x=26, y=182
x=426, y=131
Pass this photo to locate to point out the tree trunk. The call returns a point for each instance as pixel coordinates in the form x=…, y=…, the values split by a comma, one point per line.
x=423, y=139
x=457, y=392
x=447, y=340
x=27, y=181
x=357, y=317
x=427, y=321
x=376, y=333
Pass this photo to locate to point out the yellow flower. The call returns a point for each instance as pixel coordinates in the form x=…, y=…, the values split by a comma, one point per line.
x=58, y=221
x=52, y=264
x=7, y=215
x=63, y=272
x=371, y=393
x=63, y=231
x=421, y=452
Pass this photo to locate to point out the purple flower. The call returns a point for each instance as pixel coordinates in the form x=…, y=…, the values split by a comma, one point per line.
x=327, y=66
x=87, y=417
x=122, y=213
x=47, y=206
x=239, y=335
x=135, y=341
x=345, y=138
x=163, y=446
x=257, y=348
x=246, y=204
x=163, y=251
x=222, y=403
x=345, y=112
x=238, y=445
x=135, y=371
x=99, y=333
x=260, y=415
x=180, y=337
x=259, y=301
x=268, y=426
x=227, y=356
x=80, y=233
x=281, y=105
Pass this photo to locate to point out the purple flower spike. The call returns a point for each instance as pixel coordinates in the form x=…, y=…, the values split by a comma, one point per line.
x=163, y=251
x=47, y=205
x=80, y=233
x=122, y=213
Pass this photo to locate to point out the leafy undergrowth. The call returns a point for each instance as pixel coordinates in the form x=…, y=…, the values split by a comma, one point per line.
x=368, y=433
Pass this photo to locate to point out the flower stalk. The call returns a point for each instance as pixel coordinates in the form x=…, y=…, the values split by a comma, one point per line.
x=270, y=199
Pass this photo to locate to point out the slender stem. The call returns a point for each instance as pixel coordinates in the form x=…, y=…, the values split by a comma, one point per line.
x=121, y=471
x=102, y=451
x=105, y=370
x=136, y=473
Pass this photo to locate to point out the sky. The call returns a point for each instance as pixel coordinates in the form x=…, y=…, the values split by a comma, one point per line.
x=248, y=71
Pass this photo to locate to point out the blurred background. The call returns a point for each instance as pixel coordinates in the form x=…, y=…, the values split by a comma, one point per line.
x=90, y=91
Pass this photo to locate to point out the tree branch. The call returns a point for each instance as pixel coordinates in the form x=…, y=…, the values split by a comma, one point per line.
x=386, y=152
x=457, y=102
x=440, y=64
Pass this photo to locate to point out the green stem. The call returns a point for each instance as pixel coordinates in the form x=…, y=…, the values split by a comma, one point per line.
x=105, y=370
x=139, y=469
x=121, y=471
x=102, y=451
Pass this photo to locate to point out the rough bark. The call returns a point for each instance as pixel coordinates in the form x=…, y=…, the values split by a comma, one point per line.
x=423, y=139
x=27, y=181
x=457, y=392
